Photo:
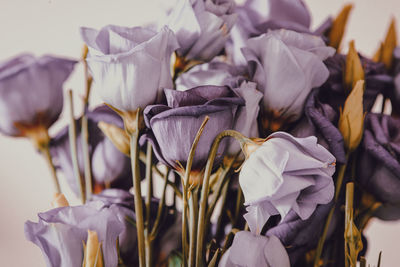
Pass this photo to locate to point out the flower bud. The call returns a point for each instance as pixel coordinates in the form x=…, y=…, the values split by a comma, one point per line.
x=384, y=53
x=93, y=256
x=59, y=200
x=351, y=121
x=354, y=70
x=118, y=136
x=338, y=27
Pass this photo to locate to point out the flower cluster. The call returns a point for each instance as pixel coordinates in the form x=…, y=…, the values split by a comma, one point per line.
x=251, y=88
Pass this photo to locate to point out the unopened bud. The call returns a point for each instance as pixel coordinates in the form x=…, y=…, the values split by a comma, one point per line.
x=385, y=51
x=118, y=136
x=354, y=70
x=339, y=26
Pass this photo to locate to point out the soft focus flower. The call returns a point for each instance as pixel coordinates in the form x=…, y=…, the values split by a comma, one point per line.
x=320, y=121
x=60, y=232
x=249, y=249
x=120, y=58
x=174, y=126
x=202, y=27
x=377, y=81
x=283, y=174
x=31, y=94
x=256, y=17
x=379, y=165
x=286, y=65
x=109, y=165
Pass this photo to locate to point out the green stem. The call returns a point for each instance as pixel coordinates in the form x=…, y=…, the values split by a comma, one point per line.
x=149, y=179
x=160, y=210
x=204, y=192
x=193, y=207
x=338, y=186
x=46, y=153
x=86, y=157
x=186, y=187
x=138, y=196
x=73, y=147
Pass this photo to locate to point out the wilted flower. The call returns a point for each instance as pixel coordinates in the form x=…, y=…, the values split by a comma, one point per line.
x=379, y=165
x=119, y=59
x=320, y=121
x=202, y=27
x=283, y=174
x=286, y=65
x=173, y=127
x=60, y=232
x=109, y=165
x=249, y=249
x=31, y=95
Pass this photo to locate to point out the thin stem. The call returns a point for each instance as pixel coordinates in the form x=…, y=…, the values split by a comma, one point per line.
x=46, y=153
x=349, y=261
x=204, y=192
x=338, y=187
x=186, y=187
x=73, y=147
x=86, y=157
x=138, y=196
x=149, y=179
x=193, y=207
x=160, y=210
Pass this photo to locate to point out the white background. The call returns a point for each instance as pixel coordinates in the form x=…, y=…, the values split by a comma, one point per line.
x=51, y=26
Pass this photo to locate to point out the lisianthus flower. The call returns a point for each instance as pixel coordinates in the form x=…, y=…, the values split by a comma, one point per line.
x=59, y=233
x=379, y=165
x=249, y=249
x=376, y=81
x=119, y=59
x=109, y=165
x=321, y=121
x=285, y=173
x=256, y=17
x=31, y=92
x=202, y=27
x=173, y=127
x=286, y=65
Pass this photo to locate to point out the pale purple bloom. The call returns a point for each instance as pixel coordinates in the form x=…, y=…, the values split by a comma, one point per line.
x=250, y=250
x=256, y=17
x=202, y=27
x=130, y=66
x=173, y=127
x=61, y=231
x=284, y=174
x=286, y=65
x=321, y=121
x=379, y=164
x=109, y=165
x=31, y=91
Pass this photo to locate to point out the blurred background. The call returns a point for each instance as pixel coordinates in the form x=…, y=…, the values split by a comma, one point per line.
x=52, y=26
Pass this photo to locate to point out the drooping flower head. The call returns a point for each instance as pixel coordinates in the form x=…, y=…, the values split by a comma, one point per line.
x=31, y=92
x=286, y=65
x=283, y=174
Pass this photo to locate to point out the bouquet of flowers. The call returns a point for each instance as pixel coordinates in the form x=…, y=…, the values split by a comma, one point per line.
x=230, y=135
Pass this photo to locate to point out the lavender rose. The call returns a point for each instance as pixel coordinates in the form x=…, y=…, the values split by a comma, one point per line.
x=286, y=65
x=119, y=59
x=283, y=174
x=60, y=232
x=109, y=165
x=173, y=127
x=202, y=27
x=259, y=250
x=31, y=94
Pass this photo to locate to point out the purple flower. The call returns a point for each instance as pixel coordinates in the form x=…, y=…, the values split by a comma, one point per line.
x=202, y=27
x=283, y=174
x=320, y=121
x=379, y=165
x=256, y=17
x=173, y=127
x=121, y=57
x=60, y=232
x=286, y=65
x=31, y=94
x=249, y=249
x=109, y=165
x=376, y=81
